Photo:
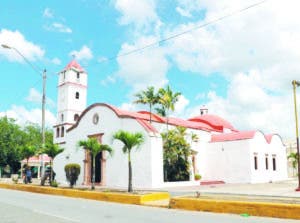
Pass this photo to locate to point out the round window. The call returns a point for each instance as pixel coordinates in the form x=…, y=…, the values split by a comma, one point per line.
x=95, y=118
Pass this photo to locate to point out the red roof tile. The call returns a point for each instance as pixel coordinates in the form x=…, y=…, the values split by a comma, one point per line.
x=74, y=64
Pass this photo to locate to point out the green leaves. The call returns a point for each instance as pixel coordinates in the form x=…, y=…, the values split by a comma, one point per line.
x=94, y=146
x=129, y=139
x=176, y=153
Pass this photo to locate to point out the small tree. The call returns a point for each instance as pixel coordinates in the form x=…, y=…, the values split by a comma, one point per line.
x=176, y=153
x=129, y=140
x=72, y=172
x=294, y=159
x=94, y=147
x=52, y=150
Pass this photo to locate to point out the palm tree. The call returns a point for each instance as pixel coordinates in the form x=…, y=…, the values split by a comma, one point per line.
x=294, y=158
x=129, y=140
x=161, y=111
x=167, y=99
x=147, y=97
x=94, y=147
x=52, y=150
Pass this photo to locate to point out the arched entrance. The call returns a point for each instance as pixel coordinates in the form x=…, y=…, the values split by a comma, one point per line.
x=100, y=163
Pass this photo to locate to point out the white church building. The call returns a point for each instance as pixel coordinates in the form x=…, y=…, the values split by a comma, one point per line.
x=222, y=153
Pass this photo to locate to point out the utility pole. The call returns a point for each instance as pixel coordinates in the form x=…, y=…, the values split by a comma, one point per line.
x=295, y=85
x=43, y=117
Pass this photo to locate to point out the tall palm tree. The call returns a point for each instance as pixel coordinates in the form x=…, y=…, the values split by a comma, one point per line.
x=94, y=147
x=52, y=150
x=167, y=99
x=129, y=140
x=147, y=97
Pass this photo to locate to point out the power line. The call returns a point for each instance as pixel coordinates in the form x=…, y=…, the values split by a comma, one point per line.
x=187, y=31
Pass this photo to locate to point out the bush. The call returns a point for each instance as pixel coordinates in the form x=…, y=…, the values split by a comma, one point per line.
x=197, y=176
x=54, y=183
x=72, y=172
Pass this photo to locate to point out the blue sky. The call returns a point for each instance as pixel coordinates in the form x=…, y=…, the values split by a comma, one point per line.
x=240, y=68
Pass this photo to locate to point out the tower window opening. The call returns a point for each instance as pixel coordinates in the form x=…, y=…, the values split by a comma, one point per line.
x=57, y=132
x=62, y=117
x=62, y=131
x=77, y=95
x=78, y=75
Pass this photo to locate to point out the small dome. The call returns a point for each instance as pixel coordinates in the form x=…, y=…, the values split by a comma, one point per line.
x=214, y=121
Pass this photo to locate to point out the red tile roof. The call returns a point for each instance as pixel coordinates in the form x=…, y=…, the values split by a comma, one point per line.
x=213, y=121
x=74, y=64
x=233, y=136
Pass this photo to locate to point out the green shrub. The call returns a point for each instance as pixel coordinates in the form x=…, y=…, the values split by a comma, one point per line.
x=197, y=176
x=54, y=183
x=72, y=172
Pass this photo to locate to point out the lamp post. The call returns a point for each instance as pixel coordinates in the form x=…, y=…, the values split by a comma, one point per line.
x=44, y=75
x=295, y=85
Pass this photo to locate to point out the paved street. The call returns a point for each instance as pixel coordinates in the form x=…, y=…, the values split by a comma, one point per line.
x=16, y=206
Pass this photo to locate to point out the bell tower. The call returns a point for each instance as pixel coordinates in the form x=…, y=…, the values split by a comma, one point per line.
x=71, y=98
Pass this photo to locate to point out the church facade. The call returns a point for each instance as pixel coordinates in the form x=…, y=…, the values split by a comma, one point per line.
x=221, y=153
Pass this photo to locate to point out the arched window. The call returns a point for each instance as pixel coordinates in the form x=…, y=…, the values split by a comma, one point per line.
x=62, y=117
x=62, y=131
x=77, y=95
x=57, y=132
x=76, y=117
x=78, y=75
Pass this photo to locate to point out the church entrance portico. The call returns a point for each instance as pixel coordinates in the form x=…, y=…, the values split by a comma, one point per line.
x=100, y=164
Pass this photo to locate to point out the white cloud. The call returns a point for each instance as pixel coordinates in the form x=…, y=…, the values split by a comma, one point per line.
x=183, y=12
x=36, y=97
x=140, y=13
x=48, y=13
x=84, y=53
x=56, y=61
x=147, y=68
x=58, y=27
x=180, y=106
x=23, y=115
x=16, y=39
x=108, y=80
x=249, y=106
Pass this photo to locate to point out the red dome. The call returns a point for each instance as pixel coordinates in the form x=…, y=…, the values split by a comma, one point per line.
x=214, y=121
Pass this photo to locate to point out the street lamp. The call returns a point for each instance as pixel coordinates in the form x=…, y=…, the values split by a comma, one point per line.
x=43, y=96
x=295, y=85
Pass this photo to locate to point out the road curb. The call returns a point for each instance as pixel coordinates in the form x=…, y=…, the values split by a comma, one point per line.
x=138, y=199
x=265, y=209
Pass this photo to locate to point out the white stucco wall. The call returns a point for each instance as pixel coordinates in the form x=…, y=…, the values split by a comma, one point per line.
x=263, y=150
x=145, y=173
x=228, y=161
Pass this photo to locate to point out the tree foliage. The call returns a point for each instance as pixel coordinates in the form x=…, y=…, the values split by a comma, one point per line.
x=72, y=171
x=176, y=154
x=129, y=140
x=18, y=143
x=149, y=97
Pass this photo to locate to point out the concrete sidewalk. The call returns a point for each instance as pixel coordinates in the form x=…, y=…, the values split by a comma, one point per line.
x=283, y=189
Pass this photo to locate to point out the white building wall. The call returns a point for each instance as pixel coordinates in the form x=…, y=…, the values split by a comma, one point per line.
x=277, y=147
x=262, y=149
x=145, y=175
x=228, y=161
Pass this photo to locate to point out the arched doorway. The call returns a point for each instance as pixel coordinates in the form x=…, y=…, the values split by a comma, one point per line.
x=100, y=163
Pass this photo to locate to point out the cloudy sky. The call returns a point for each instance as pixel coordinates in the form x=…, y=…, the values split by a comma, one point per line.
x=240, y=67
